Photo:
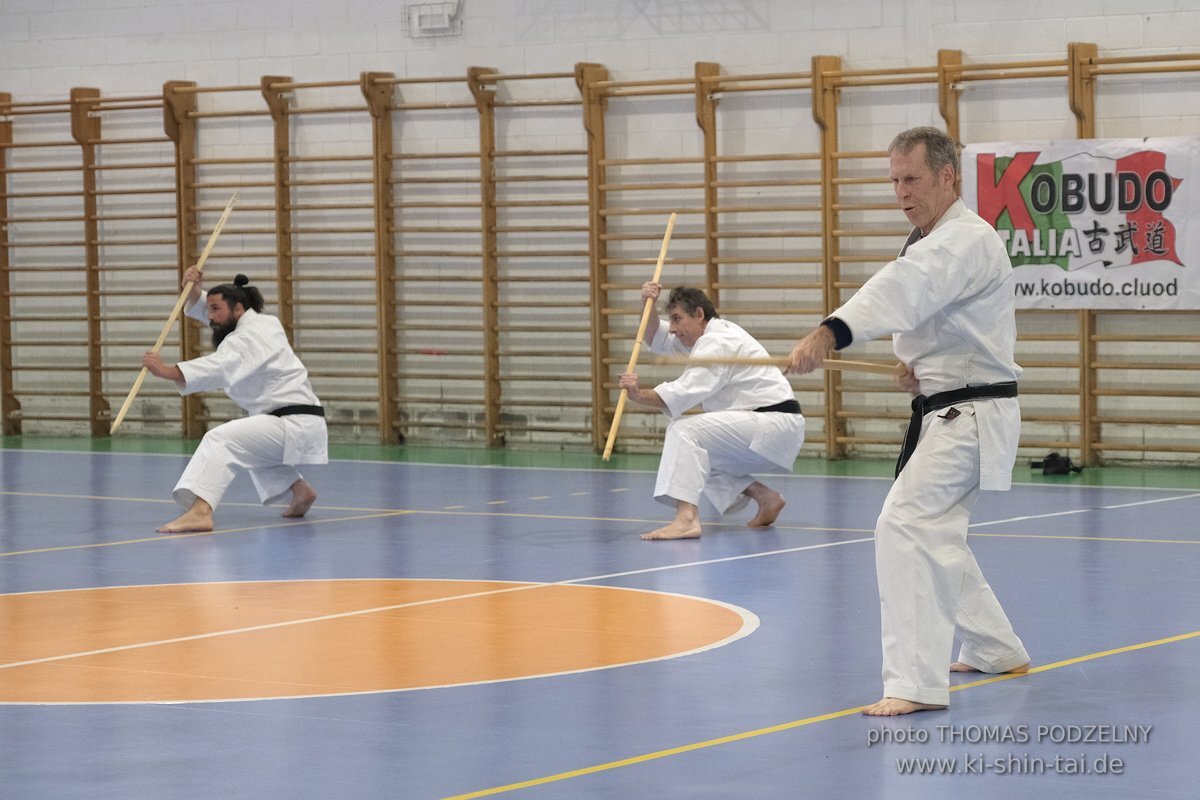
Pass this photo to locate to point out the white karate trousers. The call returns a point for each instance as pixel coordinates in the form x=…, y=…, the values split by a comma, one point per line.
x=929, y=581
x=711, y=453
x=253, y=443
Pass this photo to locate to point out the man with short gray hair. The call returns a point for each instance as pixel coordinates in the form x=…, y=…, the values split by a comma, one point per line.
x=948, y=303
x=751, y=421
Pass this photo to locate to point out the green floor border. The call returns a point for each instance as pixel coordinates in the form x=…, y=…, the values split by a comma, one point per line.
x=1160, y=477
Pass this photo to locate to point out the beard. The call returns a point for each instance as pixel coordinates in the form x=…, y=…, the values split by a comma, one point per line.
x=219, y=332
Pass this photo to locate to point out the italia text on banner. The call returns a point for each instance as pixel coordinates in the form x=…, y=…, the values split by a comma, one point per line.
x=1094, y=223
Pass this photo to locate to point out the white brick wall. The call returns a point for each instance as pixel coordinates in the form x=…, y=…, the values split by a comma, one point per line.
x=171, y=39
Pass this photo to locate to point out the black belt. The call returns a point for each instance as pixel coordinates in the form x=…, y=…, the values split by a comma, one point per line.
x=287, y=411
x=922, y=405
x=785, y=407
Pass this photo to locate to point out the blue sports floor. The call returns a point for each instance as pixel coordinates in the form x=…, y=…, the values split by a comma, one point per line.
x=1100, y=581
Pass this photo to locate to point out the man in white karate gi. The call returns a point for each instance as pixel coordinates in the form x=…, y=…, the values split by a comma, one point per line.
x=254, y=364
x=947, y=301
x=752, y=422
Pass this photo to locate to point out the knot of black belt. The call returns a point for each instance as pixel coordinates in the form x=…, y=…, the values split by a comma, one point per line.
x=783, y=407
x=922, y=405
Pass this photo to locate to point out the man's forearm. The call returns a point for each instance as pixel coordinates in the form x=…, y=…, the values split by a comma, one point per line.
x=648, y=397
x=171, y=373
x=652, y=323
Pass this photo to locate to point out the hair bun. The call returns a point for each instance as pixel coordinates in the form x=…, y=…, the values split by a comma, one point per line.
x=240, y=280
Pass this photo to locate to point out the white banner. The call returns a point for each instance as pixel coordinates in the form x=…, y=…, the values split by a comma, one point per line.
x=1094, y=223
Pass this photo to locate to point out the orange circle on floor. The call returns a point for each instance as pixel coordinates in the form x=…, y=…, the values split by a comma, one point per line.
x=273, y=639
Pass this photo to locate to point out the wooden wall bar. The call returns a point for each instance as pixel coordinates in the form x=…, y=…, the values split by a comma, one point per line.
x=10, y=406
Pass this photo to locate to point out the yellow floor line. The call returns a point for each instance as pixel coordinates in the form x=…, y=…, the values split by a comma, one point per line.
x=787, y=726
x=64, y=496
x=674, y=751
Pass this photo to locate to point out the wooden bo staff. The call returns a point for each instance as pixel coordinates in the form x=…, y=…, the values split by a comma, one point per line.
x=647, y=310
x=162, y=337
x=771, y=361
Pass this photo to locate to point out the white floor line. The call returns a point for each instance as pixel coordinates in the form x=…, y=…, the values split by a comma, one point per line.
x=1084, y=510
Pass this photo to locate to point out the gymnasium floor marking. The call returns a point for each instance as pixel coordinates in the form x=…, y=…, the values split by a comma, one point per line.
x=787, y=726
x=241, y=664
x=378, y=513
x=167, y=537
x=1156, y=500
x=1127, y=539
x=1085, y=510
x=439, y=743
x=551, y=629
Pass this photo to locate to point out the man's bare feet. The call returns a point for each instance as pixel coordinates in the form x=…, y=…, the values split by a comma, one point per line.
x=197, y=518
x=959, y=666
x=303, y=496
x=686, y=524
x=894, y=707
x=770, y=503
x=674, y=531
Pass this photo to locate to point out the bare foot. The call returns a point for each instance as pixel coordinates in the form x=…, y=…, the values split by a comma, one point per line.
x=894, y=707
x=959, y=666
x=674, y=531
x=303, y=496
x=197, y=518
x=770, y=503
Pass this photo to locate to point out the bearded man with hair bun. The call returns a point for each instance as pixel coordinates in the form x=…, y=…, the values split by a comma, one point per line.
x=253, y=363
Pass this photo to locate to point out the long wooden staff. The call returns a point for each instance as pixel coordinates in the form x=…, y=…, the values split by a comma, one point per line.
x=162, y=337
x=637, y=344
x=771, y=361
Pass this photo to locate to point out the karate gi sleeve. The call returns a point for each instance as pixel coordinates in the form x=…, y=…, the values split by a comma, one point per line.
x=696, y=384
x=239, y=357
x=199, y=309
x=909, y=291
